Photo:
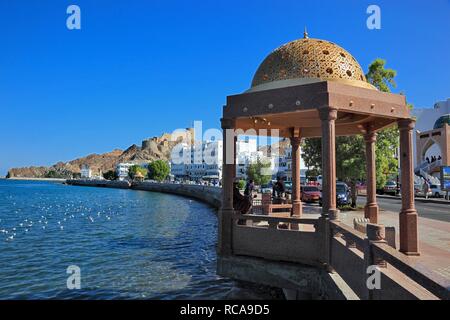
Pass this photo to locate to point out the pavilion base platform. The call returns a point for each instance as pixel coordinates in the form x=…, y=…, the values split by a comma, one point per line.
x=299, y=282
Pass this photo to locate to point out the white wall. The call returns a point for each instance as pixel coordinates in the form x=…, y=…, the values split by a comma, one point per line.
x=425, y=119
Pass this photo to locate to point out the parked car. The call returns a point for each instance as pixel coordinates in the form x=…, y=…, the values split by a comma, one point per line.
x=266, y=188
x=288, y=186
x=310, y=194
x=390, y=188
x=342, y=195
x=418, y=191
x=436, y=191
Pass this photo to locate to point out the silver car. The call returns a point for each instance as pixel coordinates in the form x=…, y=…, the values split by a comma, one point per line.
x=436, y=191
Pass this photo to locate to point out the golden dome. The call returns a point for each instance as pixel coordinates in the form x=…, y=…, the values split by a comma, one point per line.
x=308, y=60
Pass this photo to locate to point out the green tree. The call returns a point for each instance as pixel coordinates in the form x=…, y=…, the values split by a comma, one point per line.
x=350, y=158
x=133, y=170
x=52, y=174
x=110, y=175
x=388, y=139
x=350, y=162
x=259, y=172
x=158, y=170
x=312, y=155
x=381, y=77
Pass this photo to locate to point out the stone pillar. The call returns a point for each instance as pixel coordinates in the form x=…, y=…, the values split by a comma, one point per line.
x=328, y=117
x=228, y=173
x=409, y=240
x=296, y=200
x=371, y=209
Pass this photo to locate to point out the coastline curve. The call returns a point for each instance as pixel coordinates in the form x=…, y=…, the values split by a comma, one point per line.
x=207, y=194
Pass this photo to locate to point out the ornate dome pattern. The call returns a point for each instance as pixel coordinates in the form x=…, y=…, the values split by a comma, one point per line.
x=310, y=59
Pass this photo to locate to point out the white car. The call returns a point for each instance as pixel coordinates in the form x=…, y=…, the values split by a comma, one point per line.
x=436, y=191
x=266, y=188
x=418, y=191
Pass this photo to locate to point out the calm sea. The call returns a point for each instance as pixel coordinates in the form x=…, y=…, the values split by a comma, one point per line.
x=127, y=244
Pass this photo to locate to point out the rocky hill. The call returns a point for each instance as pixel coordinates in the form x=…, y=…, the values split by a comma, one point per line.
x=155, y=148
x=282, y=145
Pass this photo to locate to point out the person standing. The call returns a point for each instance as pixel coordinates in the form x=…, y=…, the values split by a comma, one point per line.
x=354, y=192
x=241, y=203
x=249, y=187
x=279, y=187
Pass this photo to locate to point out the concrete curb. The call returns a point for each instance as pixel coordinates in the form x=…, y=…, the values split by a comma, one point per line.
x=438, y=201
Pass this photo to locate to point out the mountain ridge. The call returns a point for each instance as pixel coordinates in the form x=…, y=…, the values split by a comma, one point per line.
x=156, y=148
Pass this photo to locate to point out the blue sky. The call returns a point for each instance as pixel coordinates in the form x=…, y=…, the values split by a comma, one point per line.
x=140, y=68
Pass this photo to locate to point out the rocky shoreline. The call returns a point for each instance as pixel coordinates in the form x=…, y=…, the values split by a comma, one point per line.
x=35, y=179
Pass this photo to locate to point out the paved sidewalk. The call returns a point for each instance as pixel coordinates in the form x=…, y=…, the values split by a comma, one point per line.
x=418, y=199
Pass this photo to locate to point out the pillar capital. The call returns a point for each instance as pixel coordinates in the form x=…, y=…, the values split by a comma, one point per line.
x=406, y=124
x=370, y=137
x=295, y=141
x=228, y=123
x=327, y=113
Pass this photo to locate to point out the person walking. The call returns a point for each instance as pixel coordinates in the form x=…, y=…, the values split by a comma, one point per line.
x=426, y=189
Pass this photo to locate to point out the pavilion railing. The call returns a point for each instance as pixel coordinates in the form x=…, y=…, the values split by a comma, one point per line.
x=384, y=252
x=346, y=251
x=351, y=253
x=276, y=237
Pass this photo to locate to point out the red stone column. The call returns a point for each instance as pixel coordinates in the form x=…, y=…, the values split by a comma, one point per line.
x=409, y=239
x=228, y=173
x=296, y=200
x=328, y=116
x=371, y=209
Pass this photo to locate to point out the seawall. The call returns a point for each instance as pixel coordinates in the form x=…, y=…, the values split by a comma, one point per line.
x=100, y=183
x=207, y=194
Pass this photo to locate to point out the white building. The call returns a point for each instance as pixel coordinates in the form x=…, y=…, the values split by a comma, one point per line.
x=180, y=157
x=284, y=169
x=204, y=160
x=122, y=169
x=425, y=120
x=247, y=153
x=198, y=161
x=86, y=172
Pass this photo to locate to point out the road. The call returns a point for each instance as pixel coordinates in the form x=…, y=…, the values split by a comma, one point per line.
x=434, y=211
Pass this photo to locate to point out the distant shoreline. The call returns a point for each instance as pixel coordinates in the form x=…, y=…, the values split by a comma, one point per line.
x=35, y=179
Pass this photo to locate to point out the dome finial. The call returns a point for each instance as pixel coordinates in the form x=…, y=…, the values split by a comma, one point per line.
x=305, y=34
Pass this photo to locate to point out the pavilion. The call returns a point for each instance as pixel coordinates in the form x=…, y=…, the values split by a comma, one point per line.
x=313, y=88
